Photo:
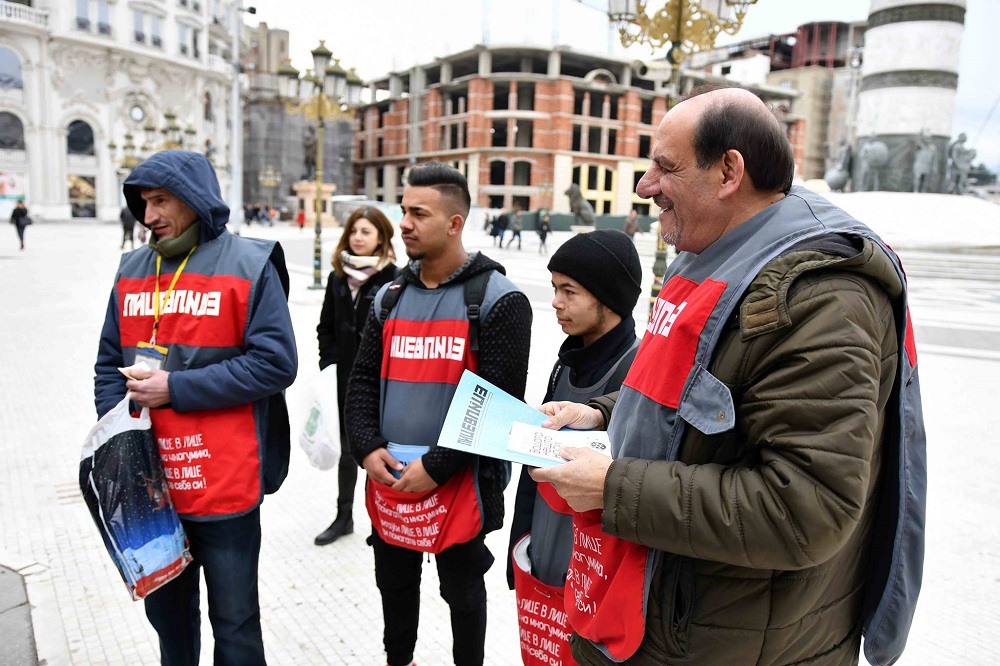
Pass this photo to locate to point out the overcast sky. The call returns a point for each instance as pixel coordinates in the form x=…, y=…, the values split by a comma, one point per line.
x=378, y=36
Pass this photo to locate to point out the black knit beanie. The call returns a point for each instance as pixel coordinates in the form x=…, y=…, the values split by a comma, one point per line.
x=606, y=264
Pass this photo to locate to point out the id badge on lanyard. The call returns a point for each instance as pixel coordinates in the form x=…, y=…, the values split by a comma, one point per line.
x=149, y=353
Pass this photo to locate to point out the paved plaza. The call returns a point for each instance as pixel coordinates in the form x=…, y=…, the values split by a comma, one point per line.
x=320, y=605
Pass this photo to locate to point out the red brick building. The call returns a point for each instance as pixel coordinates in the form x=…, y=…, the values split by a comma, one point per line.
x=522, y=123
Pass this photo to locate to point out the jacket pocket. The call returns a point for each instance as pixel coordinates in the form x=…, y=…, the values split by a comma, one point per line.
x=676, y=590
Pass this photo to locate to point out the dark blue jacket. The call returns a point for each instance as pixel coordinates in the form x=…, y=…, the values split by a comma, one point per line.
x=266, y=361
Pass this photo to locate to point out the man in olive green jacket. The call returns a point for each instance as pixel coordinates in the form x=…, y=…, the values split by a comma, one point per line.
x=755, y=516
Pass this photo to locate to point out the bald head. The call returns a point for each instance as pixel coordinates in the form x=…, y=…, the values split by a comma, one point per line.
x=726, y=119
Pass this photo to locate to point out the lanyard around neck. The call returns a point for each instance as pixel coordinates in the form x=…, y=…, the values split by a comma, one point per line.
x=170, y=290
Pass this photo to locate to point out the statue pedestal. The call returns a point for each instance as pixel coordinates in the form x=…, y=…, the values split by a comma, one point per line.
x=305, y=191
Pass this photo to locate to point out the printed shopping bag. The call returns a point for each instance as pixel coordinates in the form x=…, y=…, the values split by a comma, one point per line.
x=122, y=481
x=321, y=449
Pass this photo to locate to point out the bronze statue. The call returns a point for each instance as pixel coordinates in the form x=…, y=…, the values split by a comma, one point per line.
x=309, y=149
x=839, y=175
x=960, y=161
x=924, y=162
x=583, y=212
x=874, y=155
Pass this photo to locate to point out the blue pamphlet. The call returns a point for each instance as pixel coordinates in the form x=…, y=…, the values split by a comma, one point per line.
x=487, y=421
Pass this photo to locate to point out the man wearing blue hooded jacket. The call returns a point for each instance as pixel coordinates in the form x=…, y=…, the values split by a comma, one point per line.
x=206, y=312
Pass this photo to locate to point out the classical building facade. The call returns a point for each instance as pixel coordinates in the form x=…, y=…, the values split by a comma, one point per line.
x=523, y=123
x=89, y=87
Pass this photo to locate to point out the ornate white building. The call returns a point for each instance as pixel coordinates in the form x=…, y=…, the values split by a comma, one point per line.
x=89, y=87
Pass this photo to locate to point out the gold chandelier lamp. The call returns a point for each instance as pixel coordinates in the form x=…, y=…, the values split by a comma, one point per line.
x=688, y=26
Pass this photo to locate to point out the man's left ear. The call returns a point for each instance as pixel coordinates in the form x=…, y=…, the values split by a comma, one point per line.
x=733, y=169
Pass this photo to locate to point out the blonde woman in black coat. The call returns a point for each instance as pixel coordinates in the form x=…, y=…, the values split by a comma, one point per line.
x=362, y=262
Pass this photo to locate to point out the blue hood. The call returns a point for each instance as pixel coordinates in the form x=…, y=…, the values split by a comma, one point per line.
x=187, y=175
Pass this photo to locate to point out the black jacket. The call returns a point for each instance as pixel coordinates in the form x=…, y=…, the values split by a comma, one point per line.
x=341, y=321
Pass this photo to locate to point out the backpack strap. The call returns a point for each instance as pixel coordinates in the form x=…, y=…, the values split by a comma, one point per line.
x=392, y=294
x=475, y=291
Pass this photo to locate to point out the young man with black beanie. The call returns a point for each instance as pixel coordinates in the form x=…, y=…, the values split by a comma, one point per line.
x=597, y=281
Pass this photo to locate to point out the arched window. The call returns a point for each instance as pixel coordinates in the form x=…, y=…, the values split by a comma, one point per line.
x=80, y=138
x=10, y=70
x=498, y=172
x=11, y=132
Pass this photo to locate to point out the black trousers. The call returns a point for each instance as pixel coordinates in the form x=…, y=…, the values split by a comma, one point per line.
x=460, y=569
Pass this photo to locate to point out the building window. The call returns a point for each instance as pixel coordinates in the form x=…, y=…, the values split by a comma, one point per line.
x=154, y=31
x=579, y=96
x=597, y=105
x=103, y=18
x=361, y=150
x=499, y=132
x=501, y=97
x=11, y=132
x=597, y=184
x=594, y=140
x=496, y=201
x=523, y=129
x=83, y=14
x=195, y=40
x=521, y=202
x=577, y=133
x=612, y=141
x=498, y=172
x=378, y=148
x=646, y=113
x=10, y=70
x=80, y=138
x=522, y=173
x=613, y=106
x=139, y=26
x=183, y=38
x=645, y=145
x=525, y=96
x=209, y=112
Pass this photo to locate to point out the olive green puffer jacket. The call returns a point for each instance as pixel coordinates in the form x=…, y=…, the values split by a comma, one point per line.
x=765, y=529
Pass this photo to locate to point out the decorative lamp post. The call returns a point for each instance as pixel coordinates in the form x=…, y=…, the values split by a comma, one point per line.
x=331, y=86
x=688, y=26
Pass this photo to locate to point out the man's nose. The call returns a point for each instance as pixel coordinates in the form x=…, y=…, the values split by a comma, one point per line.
x=647, y=187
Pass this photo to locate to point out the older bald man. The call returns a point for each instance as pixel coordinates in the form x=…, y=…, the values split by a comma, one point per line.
x=765, y=500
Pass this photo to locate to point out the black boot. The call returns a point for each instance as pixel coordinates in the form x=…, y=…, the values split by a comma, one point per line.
x=344, y=524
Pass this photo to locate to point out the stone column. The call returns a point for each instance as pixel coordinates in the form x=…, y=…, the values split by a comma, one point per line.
x=908, y=85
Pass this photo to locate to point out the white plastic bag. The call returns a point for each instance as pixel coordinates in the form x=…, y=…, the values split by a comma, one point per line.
x=316, y=439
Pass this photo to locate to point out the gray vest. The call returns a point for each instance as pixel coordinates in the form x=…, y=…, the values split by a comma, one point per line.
x=551, y=531
x=642, y=427
x=424, y=351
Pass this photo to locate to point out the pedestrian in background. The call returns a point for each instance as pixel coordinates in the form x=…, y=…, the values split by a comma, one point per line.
x=543, y=233
x=500, y=228
x=399, y=399
x=632, y=225
x=754, y=511
x=19, y=218
x=363, y=261
x=128, y=227
x=218, y=355
x=515, y=228
x=300, y=219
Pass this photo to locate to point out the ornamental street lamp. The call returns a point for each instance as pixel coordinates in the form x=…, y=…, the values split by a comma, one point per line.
x=688, y=26
x=332, y=85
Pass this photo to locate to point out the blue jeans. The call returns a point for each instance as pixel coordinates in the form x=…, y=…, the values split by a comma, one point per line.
x=460, y=570
x=228, y=551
